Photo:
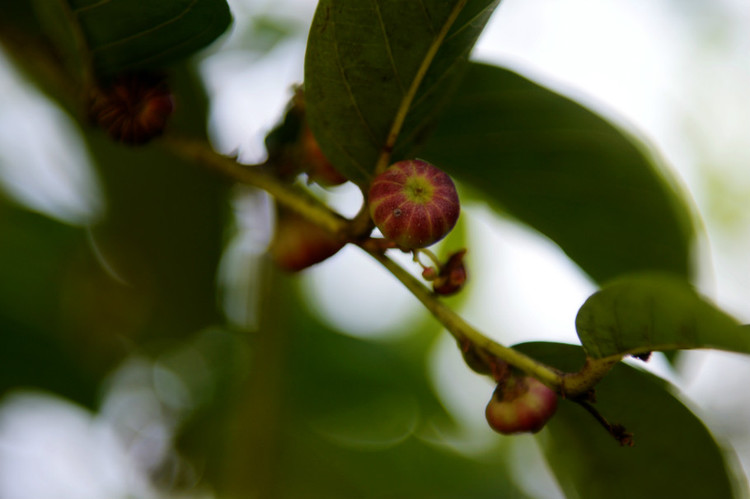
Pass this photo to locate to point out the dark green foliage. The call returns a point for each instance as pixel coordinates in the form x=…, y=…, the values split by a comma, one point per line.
x=123, y=35
x=654, y=312
x=363, y=58
x=562, y=169
x=674, y=453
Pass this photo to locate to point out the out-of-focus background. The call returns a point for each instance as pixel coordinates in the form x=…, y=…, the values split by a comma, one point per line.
x=675, y=72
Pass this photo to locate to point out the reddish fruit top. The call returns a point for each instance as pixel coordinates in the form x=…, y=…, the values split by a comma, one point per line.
x=414, y=203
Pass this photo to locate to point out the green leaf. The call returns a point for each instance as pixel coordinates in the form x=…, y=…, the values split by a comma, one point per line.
x=117, y=35
x=674, y=454
x=377, y=71
x=37, y=257
x=560, y=168
x=654, y=312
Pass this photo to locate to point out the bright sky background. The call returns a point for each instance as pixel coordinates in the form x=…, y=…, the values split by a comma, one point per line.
x=675, y=71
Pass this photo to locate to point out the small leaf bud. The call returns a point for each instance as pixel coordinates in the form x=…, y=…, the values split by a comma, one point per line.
x=298, y=243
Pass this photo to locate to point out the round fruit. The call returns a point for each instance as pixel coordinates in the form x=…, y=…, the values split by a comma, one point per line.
x=413, y=203
x=298, y=243
x=520, y=405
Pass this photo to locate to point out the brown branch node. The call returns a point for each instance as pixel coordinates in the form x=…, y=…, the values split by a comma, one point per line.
x=618, y=431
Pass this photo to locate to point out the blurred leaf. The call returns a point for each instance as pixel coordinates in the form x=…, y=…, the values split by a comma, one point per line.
x=674, y=455
x=266, y=32
x=364, y=62
x=36, y=254
x=163, y=230
x=654, y=312
x=35, y=359
x=324, y=415
x=359, y=407
x=565, y=171
x=414, y=469
x=118, y=35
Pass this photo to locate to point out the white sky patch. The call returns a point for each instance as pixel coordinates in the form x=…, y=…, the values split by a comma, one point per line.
x=43, y=162
x=53, y=449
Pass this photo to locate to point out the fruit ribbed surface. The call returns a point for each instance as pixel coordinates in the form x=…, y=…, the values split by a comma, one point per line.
x=414, y=203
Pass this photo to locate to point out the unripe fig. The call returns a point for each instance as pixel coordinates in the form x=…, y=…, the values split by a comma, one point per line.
x=413, y=203
x=520, y=405
x=298, y=243
x=133, y=109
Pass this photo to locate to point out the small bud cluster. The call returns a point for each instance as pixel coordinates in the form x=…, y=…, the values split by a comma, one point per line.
x=451, y=276
x=133, y=109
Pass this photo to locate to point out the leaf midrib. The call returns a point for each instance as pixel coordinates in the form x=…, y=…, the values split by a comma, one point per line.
x=405, y=105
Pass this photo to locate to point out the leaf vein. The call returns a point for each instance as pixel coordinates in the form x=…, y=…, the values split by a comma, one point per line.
x=90, y=7
x=428, y=17
x=145, y=32
x=388, y=49
x=349, y=92
x=454, y=33
x=406, y=102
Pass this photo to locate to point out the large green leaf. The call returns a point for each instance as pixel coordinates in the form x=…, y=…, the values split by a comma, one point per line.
x=654, y=312
x=562, y=169
x=117, y=35
x=376, y=71
x=674, y=454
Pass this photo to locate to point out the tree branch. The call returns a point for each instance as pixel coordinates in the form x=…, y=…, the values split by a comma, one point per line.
x=463, y=332
x=573, y=385
x=296, y=199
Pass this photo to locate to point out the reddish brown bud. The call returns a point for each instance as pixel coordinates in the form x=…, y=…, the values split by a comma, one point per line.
x=477, y=361
x=298, y=243
x=429, y=274
x=414, y=203
x=520, y=404
x=452, y=276
x=317, y=166
x=133, y=109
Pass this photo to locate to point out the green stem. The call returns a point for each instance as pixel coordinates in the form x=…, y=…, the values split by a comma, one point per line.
x=573, y=385
x=432, y=256
x=294, y=198
x=462, y=331
x=580, y=383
